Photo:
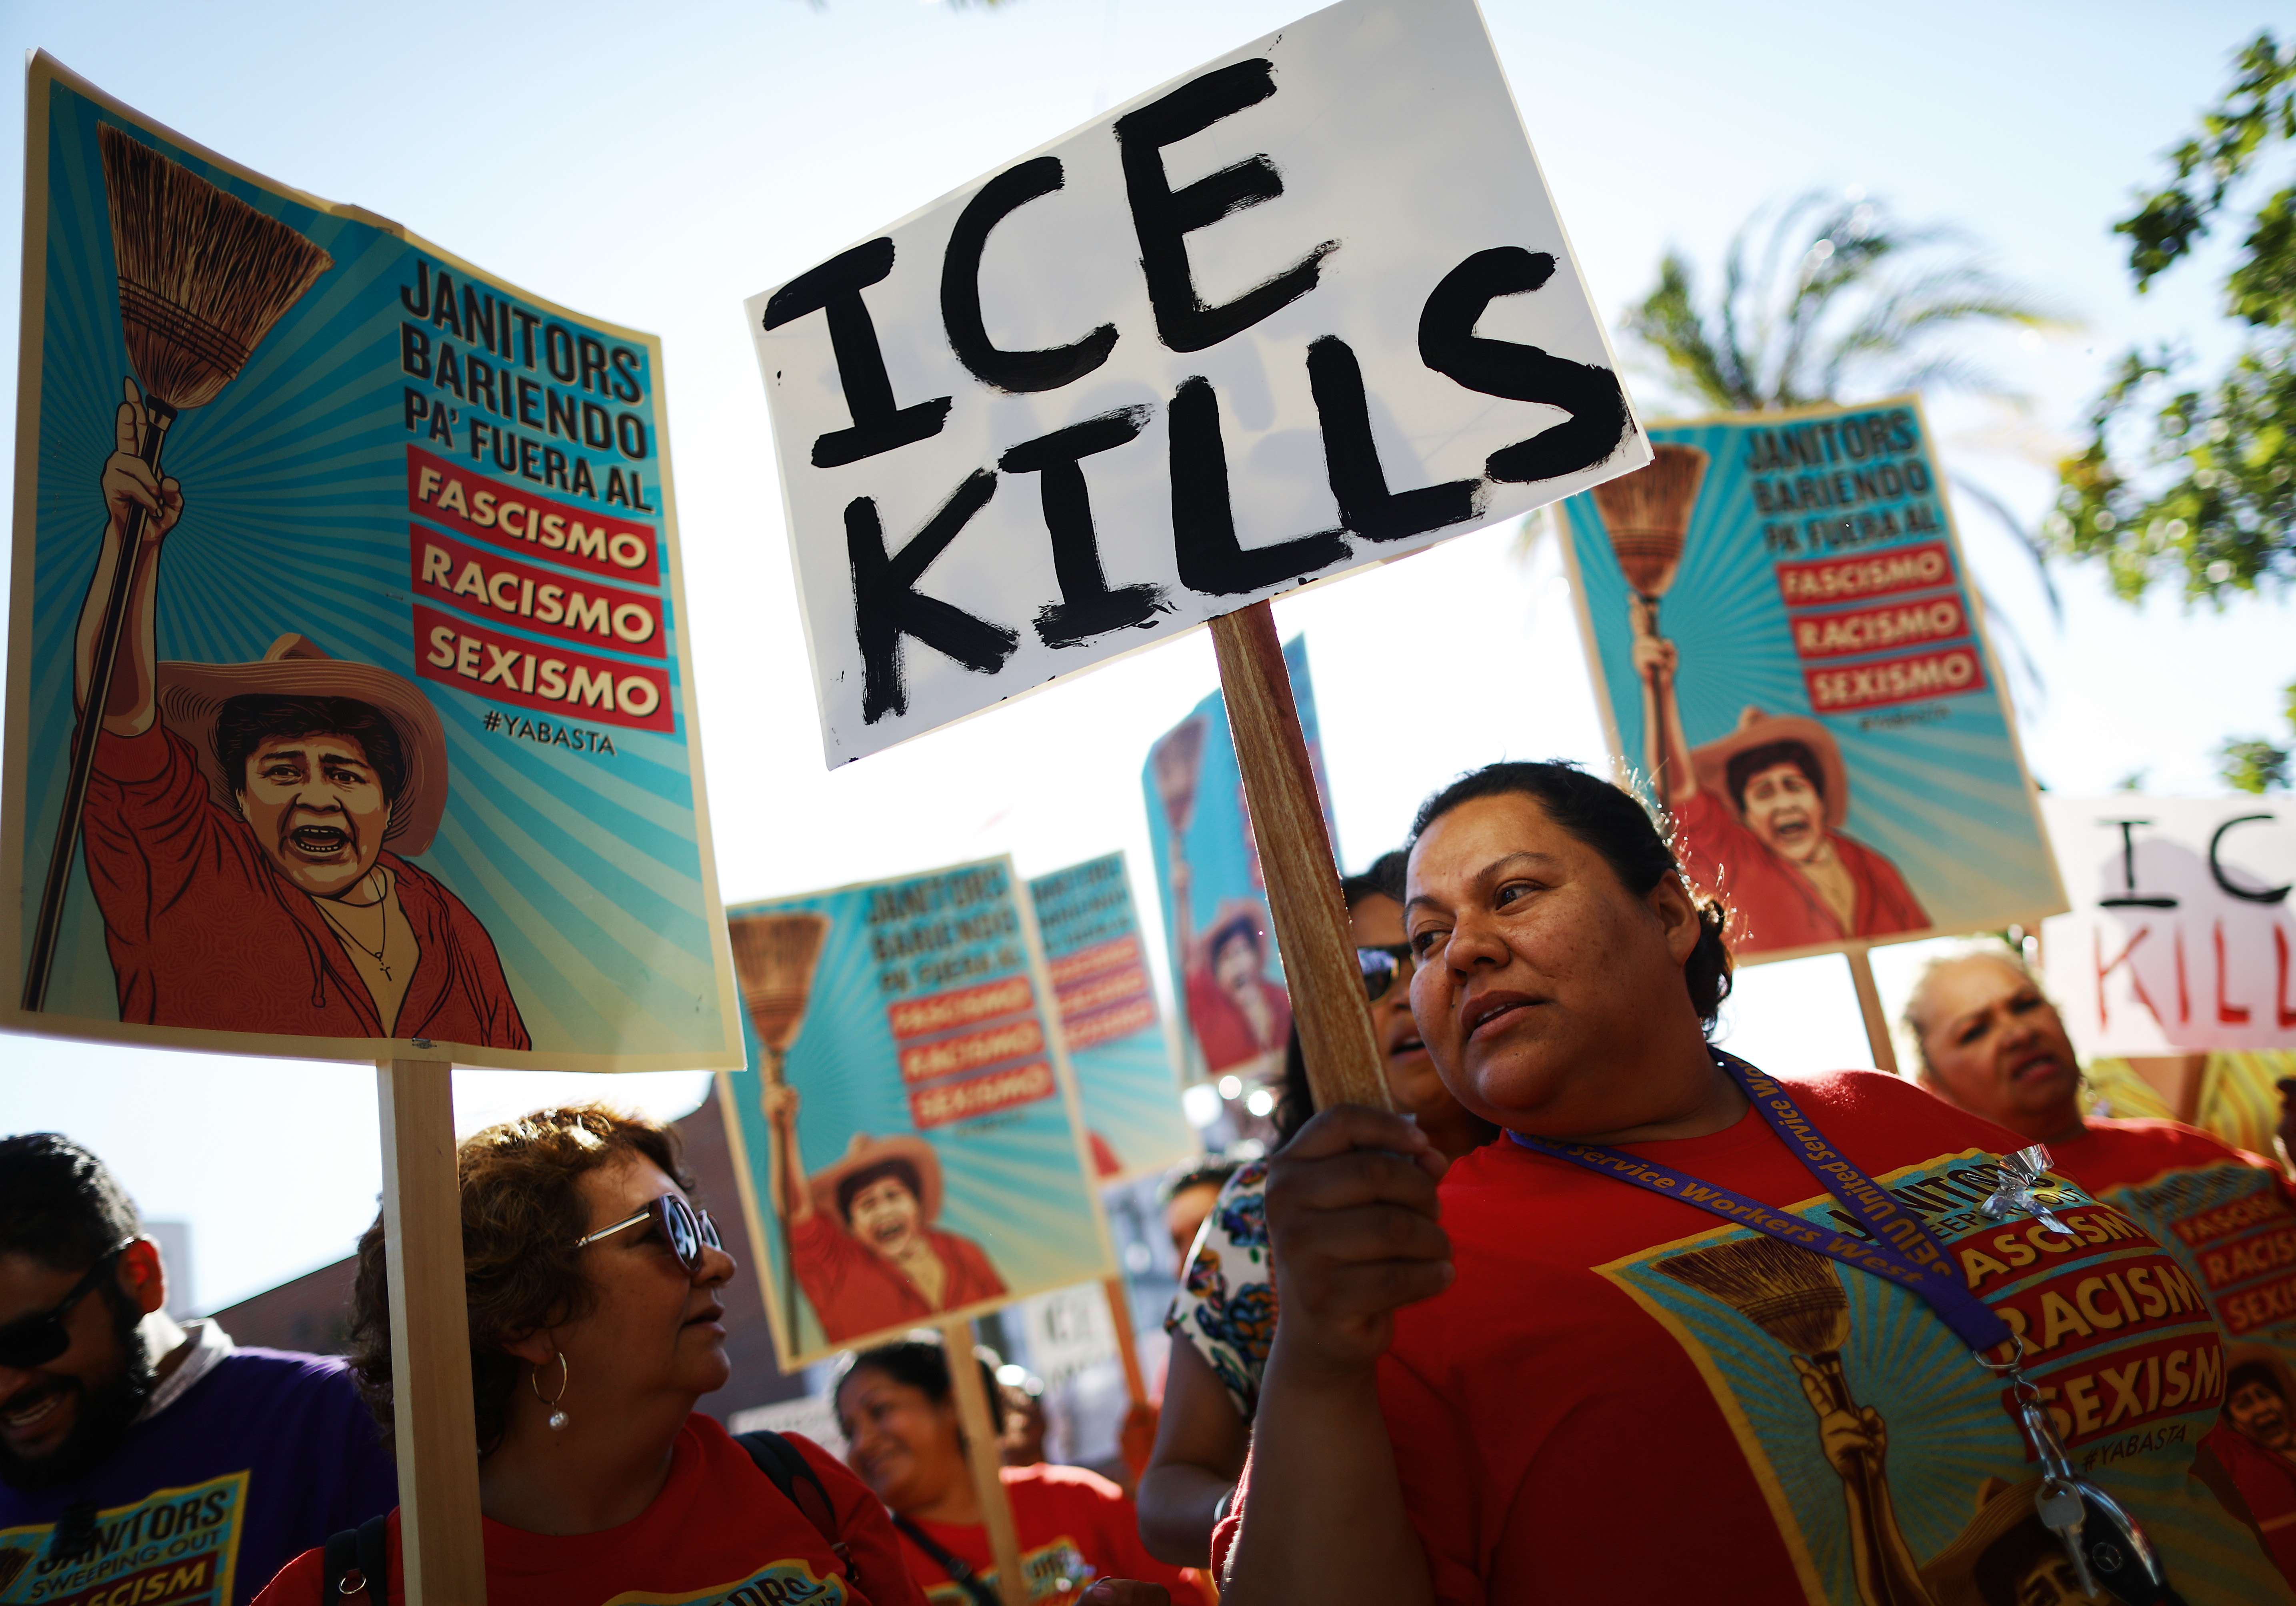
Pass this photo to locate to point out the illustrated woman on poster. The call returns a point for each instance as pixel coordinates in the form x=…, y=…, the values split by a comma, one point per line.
x=862, y=1235
x=1757, y=821
x=248, y=826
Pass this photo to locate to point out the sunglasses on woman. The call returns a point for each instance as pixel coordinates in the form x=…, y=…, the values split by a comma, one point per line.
x=1384, y=966
x=685, y=1230
x=35, y=1340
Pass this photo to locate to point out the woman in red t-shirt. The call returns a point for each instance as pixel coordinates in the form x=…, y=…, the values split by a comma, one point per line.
x=1639, y=1348
x=596, y=1325
x=895, y=1405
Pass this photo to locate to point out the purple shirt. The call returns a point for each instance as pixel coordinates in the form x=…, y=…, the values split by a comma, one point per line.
x=258, y=1461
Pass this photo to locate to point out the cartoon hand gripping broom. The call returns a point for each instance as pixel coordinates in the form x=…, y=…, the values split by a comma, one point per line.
x=203, y=276
x=1797, y=1299
x=776, y=957
x=1647, y=517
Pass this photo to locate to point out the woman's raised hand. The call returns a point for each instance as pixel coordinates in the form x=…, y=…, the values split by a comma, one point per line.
x=129, y=482
x=1352, y=1222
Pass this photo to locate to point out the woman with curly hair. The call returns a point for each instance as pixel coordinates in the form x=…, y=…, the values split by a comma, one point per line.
x=1225, y=1315
x=596, y=1325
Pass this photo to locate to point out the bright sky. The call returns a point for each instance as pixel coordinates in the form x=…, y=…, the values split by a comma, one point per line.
x=656, y=175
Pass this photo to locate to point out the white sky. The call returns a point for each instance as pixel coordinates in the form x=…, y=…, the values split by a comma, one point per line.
x=657, y=173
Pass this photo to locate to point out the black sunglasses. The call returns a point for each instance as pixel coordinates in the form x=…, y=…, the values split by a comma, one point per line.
x=685, y=1230
x=1384, y=964
x=35, y=1340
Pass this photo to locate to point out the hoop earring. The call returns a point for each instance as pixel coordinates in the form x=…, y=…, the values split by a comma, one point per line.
x=558, y=1418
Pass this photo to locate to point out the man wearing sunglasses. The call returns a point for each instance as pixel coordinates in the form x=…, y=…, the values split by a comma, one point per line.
x=141, y=1460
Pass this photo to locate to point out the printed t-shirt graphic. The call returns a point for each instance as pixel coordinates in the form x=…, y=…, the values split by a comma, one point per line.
x=719, y=1534
x=2228, y=1219
x=265, y=1452
x=1618, y=1394
x=1074, y=1527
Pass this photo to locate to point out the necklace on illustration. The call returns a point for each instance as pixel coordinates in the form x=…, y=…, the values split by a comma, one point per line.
x=376, y=954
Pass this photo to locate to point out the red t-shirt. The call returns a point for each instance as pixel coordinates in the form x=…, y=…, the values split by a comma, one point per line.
x=854, y=1290
x=1225, y=1033
x=2229, y=1218
x=719, y=1531
x=1773, y=903
x=1074, y=1527
x=1577, y=1418
x=204, y=932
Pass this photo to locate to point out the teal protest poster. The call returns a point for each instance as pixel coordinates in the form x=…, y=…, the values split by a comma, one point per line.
x=1108, y=1020
x=1236, y=1012
x=1791, y=661
x=910, y=1151
x=367, y=561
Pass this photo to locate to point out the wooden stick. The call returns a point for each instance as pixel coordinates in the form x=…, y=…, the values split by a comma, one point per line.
x=442, y=1548
x=1127, y=1347
x=1869, y=1005
x=1295, y=856
x=987, y=1459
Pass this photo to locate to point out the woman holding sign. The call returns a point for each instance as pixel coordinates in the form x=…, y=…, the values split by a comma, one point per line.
x=1671, y=1338
x=596, y=1325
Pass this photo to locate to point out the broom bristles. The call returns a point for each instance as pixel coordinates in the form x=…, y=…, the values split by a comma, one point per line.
x=202, y=274
x=1647, y=514
x=1788, y=1292
x=1179, y=760
x=774, y=956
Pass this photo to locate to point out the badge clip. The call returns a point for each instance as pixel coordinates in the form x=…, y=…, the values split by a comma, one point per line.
x=2023, y=1191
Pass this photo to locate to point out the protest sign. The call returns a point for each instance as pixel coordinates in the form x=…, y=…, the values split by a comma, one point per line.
x=397, y=750
x=2181, y=937
x=1115, y=1035
x=1305, y=309
x=1227, y=978
x=1816, y=706
x=912, y=1153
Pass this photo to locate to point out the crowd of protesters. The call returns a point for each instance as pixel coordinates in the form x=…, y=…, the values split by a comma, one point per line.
x=1598, y=1312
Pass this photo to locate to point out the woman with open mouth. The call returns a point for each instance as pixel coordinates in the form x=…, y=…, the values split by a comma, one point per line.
x=1689, y=1331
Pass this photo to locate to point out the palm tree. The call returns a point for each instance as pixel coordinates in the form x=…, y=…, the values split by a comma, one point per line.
x=1829, y=297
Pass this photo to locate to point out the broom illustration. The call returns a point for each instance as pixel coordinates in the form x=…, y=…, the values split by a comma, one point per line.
x=202, y=279
x=1796, y=1298
x=1647, y=516
x=775, y=955
x=1178, y=761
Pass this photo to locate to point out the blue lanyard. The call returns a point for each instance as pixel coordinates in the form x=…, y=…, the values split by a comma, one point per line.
x=1902, y=1247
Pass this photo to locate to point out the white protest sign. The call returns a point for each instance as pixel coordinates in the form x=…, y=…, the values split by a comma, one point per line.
x=1308, y=308
x=2182, y=935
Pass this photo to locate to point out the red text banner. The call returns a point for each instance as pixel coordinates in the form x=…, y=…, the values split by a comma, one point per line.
x=1920, y=568
x=458, y=575
x=471, y=658
x=1110, y=955
x=972, y=1097
x=965, y=1006
x=1877, y=629
x=1916, y=678
x=971, y=1050
x=582, y=538
x=1083, y=1032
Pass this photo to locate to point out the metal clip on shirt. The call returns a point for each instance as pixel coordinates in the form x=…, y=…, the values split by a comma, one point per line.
x=2022, y=1191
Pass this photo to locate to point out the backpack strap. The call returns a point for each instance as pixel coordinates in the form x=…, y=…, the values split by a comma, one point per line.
x=357, y=1561
x=786, y=1465
x=960, y=1571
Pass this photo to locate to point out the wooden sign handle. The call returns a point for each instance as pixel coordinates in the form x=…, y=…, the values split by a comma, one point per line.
x=986, y=1457
x=437, y=1431
x=1127, y=1347
x=1869, y=1005
x=1295, y=858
